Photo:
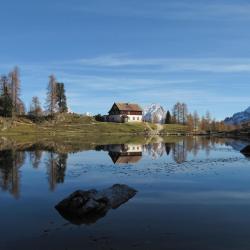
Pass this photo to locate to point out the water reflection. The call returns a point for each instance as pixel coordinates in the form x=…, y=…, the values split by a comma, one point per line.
x=35, y=157
x=55, y=156
x=56, y=167
x=124, y=153
x=10, y=162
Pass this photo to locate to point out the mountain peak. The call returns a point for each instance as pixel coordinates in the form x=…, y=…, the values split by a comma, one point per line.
x=247, y=110
x=154, y=113
x=239, y=118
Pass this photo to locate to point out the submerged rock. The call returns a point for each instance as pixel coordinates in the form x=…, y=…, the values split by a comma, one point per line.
x=86, y=207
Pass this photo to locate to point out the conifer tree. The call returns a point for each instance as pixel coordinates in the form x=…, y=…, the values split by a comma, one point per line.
x=168, y=118
x=6, y=105
x=61, y=98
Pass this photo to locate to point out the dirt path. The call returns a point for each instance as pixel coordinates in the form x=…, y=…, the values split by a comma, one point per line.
x=159, y=128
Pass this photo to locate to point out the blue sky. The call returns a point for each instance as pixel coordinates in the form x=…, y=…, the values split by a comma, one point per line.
x=144, y=51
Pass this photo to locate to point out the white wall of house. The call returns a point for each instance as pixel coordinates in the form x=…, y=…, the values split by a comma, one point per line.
x=131, y=148
x=131, y=118
x=128, y=148
x=134, y=118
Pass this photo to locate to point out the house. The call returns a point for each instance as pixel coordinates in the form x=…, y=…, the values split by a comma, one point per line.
x=125, y=112
x=125, y=153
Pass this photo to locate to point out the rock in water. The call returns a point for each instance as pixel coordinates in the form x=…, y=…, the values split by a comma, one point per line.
x=86, y=207
x=246, y=151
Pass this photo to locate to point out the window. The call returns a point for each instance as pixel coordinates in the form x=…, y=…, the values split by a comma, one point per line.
x=133, y=118
x=138, y=118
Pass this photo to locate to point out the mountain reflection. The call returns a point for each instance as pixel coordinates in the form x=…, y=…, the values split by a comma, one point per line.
x=54, y=156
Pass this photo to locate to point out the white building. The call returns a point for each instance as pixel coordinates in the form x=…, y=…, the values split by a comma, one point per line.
x=125, y=112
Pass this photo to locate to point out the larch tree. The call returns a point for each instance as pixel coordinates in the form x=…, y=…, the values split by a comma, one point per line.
x=51, y=100
x=184, y=113
x=196, y=121
x=15, y=91
x=190, y=122
x=177, y=112
x=35, y=107
x=180, y=112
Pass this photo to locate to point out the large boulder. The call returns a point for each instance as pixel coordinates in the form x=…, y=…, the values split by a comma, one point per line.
x=86, y=207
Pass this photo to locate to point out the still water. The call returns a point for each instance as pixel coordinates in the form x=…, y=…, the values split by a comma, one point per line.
x=193, y=193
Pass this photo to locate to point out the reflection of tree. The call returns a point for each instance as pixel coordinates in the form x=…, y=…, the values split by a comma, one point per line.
x=180, y=152
x=10, y=162
x=168, y=148
x=205, y=144
x=35, y=158
x=56, y=167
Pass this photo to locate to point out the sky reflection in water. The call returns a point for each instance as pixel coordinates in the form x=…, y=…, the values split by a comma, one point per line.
x=193, y=193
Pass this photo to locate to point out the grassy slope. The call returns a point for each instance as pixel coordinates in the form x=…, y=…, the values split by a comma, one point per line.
x=174, y=128
x=73, y=125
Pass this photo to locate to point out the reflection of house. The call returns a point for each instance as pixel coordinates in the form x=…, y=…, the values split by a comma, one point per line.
x=129, y=153
x=125, y=112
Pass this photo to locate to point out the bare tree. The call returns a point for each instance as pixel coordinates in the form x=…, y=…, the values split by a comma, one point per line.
x=51, y=100
x=177, y=112
x=35, y=107
x=184, y=113
x=15, y=90
x=196, y=120
x=180, y=112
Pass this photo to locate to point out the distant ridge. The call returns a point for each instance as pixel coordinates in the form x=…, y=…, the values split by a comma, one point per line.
x=239, y=118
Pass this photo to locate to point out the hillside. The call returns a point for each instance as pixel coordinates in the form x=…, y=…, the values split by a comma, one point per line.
x=75, y=125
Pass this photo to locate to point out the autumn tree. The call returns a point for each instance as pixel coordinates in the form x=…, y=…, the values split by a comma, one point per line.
x=196, y=119
x=184, y=113
x=51, y=100
x=208, y=121
x=35, y=107
x=17, y=104
x=190, y=122
x=177, y=112
x=180, y=112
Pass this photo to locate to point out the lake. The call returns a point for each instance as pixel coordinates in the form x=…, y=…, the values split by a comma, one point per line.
x=193, y=193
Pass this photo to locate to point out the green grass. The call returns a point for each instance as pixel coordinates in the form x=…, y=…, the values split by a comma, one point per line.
x=67, y=125
x=174, y=129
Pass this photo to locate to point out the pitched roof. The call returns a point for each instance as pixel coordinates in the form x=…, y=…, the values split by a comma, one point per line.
x=128, y=106
x=119, y=158
x=128, y=159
